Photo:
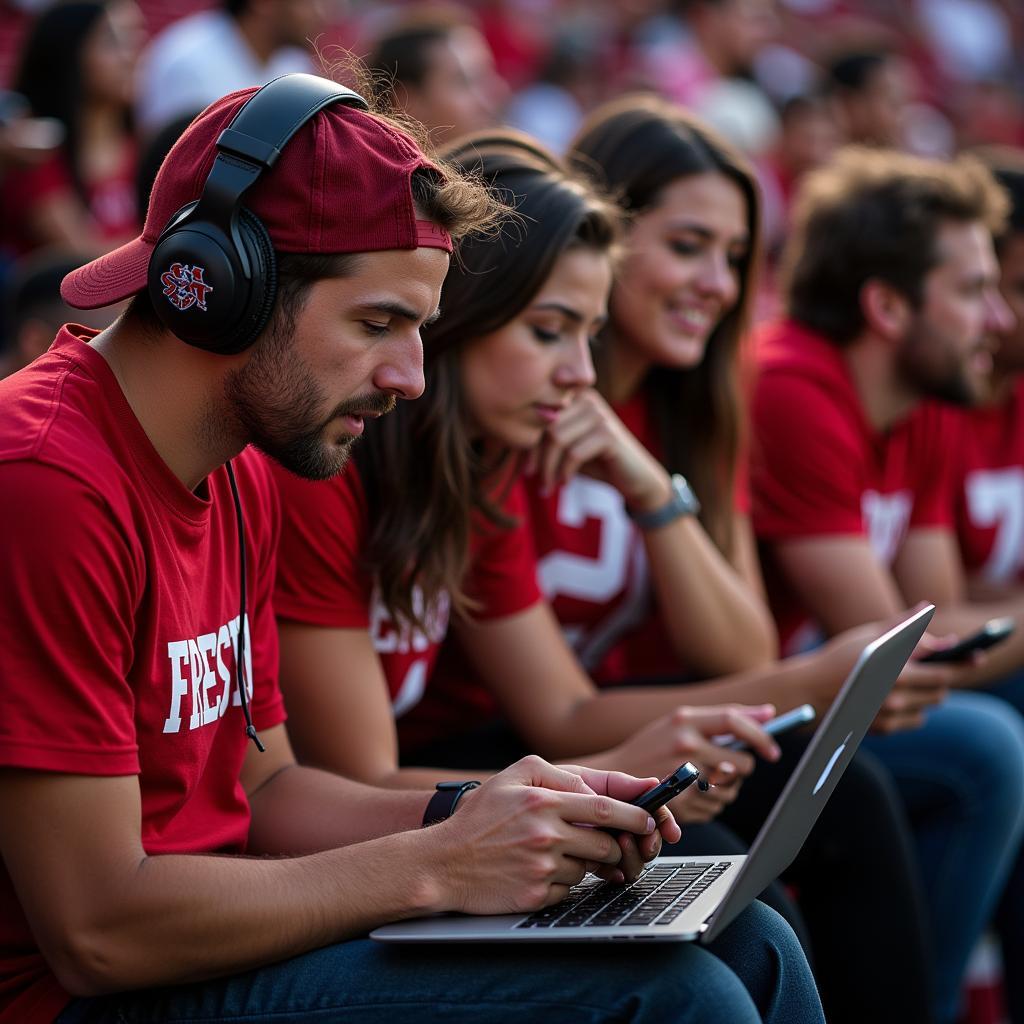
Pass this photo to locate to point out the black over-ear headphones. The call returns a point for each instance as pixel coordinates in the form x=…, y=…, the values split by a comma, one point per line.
x=216, y=255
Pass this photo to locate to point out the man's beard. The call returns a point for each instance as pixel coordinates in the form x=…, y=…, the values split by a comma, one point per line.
x=954, y=387
x=951, y=383
x=275, y=401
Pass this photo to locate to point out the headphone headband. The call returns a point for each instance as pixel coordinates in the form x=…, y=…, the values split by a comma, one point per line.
x=270, y=117
x=263, y=126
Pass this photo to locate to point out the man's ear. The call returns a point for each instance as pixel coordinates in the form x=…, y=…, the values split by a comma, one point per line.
x=886, y=310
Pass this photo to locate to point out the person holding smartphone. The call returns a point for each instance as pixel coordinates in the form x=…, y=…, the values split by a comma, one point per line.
x=988, y=497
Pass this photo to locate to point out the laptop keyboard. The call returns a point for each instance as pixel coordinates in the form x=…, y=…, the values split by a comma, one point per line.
x=656, y=898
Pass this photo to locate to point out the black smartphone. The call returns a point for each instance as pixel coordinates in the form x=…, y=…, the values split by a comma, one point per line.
x=669, y=788
x=993, y=632
x=777, y=725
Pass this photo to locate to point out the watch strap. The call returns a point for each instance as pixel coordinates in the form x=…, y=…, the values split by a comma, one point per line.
x=444, y=801
x=683, y=502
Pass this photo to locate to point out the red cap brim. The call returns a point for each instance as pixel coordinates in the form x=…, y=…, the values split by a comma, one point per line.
x=109, y=279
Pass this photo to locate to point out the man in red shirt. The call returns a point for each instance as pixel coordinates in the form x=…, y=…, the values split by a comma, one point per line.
x=891, y=292
x=138, y=539
x=990, y=471
x=852, y=472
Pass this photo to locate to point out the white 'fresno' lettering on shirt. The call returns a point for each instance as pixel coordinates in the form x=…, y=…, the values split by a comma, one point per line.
x=198, y=668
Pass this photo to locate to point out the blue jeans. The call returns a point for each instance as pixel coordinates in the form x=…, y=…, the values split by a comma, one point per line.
x=754, y=972
x=962, y=778
x=1010, y=915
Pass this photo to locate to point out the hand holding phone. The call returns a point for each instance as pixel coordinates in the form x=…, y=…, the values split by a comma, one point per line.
x=774, y=726
x=993, y=632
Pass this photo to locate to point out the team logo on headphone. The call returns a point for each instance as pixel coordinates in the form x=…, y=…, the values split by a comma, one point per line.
x=184, y=286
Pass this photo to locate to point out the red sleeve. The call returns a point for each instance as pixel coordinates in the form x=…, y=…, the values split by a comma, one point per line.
x=67, y=639
x=503, y=576
x=262, y=512
x=320, y=578
x=807, y=462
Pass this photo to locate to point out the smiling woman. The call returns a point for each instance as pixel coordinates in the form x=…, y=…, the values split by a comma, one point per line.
x=683, y=599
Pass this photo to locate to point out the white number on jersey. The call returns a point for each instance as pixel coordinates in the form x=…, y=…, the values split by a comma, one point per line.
x=616, y=575
x=995, y=499
x=887, y=517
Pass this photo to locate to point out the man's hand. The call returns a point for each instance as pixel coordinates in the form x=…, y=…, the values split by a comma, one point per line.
x=922, y=685
x=918, y=688
x=522, y=839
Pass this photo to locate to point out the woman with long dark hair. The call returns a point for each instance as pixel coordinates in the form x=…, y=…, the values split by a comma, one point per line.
x=78, y=67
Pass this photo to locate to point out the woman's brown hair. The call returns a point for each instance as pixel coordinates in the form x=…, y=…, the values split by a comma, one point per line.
x=634, y=148
x=427, y=485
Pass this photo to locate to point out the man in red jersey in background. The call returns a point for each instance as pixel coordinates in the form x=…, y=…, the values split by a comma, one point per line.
x=990, y=481
x=891, y=290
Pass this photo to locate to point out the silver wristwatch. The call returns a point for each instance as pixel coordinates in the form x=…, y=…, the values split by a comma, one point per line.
x=683, y=502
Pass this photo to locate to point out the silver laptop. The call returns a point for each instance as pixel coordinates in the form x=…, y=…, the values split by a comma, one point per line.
x=687, y=898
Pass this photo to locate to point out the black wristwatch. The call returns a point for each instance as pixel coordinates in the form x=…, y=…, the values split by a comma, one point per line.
x=683, y=502
x=444, y=801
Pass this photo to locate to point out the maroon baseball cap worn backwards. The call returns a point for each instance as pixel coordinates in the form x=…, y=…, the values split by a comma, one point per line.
x=341, y=185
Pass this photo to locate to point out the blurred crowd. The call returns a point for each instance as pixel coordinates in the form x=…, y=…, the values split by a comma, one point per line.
x=96, y=92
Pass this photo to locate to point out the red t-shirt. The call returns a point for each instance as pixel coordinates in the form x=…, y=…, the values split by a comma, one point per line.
x=990, y=490
x=117, y=623
x=592, y=567
x=818, y=468
x=322, y=581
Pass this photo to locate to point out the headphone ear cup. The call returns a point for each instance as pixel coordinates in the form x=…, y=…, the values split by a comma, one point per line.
x=262, y=288
x=199, y=290
x=193, y=284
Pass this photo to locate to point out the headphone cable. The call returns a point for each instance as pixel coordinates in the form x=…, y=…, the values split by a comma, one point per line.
x=240, y=671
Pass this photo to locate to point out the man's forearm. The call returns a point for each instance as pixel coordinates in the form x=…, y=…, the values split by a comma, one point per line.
x=804, y=678
x=302, y=810
x=176, y=919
